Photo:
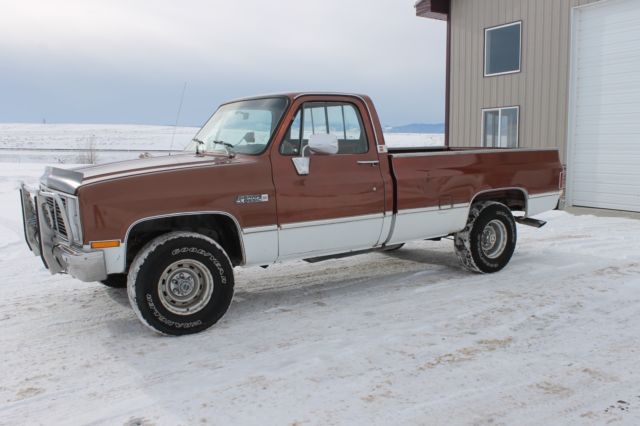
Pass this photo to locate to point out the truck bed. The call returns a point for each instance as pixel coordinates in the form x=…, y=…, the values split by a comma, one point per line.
x=434, y=187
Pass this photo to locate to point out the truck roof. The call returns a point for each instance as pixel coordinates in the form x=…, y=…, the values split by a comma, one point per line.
x=294, y=95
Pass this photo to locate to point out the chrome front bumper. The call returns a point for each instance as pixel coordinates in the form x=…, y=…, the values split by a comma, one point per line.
x=58, y=255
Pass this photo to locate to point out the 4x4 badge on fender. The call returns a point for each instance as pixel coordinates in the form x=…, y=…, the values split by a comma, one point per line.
x=249, y=199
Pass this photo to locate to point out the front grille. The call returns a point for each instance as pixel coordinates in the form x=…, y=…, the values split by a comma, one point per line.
x=56, y=220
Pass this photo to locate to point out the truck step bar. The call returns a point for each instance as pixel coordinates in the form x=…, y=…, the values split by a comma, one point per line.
x=337, y=256
x=536, y=223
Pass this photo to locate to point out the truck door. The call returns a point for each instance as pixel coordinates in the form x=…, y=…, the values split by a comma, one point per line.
x=338, y=205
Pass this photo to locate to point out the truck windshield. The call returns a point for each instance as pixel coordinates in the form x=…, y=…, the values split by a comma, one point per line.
x=244, y=127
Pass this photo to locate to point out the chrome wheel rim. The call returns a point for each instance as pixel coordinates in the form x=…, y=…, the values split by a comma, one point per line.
x=494, y=239
x=185, y=287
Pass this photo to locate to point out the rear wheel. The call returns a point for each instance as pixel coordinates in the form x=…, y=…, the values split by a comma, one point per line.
x=488, y=241
x=180, y=283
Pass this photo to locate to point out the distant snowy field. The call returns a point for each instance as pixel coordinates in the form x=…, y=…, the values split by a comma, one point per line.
x=70, y=143
x=401, y=338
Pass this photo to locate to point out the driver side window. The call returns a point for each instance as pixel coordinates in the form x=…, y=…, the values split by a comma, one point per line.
x=337, y=118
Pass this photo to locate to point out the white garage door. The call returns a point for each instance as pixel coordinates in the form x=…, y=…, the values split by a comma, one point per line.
x=604, y=156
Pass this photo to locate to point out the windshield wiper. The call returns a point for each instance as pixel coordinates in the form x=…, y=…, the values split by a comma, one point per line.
x=227, y=146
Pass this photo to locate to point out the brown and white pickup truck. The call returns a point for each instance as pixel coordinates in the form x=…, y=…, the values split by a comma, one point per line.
x=270, y=179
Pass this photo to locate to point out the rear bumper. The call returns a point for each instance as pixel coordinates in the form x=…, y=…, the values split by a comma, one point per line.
x=57, y=254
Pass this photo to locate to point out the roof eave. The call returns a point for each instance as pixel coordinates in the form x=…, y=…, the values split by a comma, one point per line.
x=434, y=9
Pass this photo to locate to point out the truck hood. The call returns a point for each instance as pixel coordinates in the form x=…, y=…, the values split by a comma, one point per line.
x=69, y=180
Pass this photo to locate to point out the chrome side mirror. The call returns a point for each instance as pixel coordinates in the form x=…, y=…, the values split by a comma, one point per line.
x=323, y=143
x=320, y=143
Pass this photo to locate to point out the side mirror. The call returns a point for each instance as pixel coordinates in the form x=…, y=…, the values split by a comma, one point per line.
x=322, y=143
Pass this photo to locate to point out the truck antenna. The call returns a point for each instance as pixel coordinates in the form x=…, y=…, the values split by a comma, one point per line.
x=175, y=126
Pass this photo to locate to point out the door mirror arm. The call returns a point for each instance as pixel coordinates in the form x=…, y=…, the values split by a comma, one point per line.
x=301, y=164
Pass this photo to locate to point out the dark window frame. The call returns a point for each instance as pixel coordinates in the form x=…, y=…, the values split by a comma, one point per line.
x=301, y=111
x=484, y=61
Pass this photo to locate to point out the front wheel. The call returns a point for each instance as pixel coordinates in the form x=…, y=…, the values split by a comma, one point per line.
x=488, y=241
x=180, y=283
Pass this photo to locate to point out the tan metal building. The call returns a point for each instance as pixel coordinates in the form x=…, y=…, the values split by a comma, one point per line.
x=549, y=73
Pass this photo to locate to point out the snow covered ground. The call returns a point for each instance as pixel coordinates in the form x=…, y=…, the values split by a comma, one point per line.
x=402, y=338
x=71, y=143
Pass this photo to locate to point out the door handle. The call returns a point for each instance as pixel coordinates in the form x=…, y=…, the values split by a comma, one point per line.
x=372, y=163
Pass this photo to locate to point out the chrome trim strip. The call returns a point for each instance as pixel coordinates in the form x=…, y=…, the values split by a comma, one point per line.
x=545, y=194
x=347, y=219
x=432, y=209
x=146, y=219
x=472, y=151
x=254, y=230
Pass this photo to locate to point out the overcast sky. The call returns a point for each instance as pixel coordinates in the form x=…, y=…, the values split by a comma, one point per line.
x=126, y=61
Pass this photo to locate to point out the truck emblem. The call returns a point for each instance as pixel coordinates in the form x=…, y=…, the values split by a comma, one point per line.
x=249, y=199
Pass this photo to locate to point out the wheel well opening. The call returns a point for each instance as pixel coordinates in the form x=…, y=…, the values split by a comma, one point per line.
x=514, y=199
x=220, y=228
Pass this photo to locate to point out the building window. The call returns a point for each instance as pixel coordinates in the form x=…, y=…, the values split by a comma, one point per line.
x=502, y=49
x=500, y=127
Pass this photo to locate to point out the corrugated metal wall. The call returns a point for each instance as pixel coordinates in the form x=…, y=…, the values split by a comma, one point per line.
x=540, y=89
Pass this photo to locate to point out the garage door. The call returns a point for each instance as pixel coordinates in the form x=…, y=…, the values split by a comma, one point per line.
x=604, y=156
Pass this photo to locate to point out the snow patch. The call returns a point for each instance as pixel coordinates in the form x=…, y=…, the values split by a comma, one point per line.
x=383, y=338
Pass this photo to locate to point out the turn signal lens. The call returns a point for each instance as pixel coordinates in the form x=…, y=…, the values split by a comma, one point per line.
x=105, y=244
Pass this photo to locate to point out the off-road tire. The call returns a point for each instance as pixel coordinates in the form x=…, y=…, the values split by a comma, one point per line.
x=149, y=288
x=468, y=242
x=393, y=247
x=116, y=281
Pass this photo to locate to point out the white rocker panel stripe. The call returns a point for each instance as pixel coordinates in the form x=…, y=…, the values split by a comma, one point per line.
x=324, y=237
x=430, y=222
x=540, y=203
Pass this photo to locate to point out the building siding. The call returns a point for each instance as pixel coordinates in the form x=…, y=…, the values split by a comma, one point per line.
x=541, y=89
